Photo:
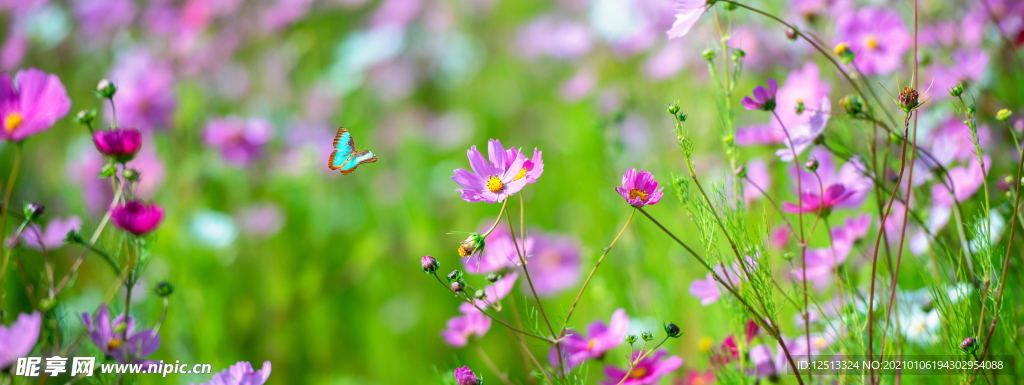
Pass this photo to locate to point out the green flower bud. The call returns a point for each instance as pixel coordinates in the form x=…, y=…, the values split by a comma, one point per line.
x=163, y=289
x=106, y=89
x=1003, y=114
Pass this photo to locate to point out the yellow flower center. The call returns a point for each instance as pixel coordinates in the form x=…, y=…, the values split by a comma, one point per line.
x=704, y=345
x=639, y=373
x=635, y=193
x=12, y=121
x=495, y=184
x=871, y=42
x=590, y=345
x=841, y=48
x=819, y=343
x=522, y=174
x=463, y=251
x=114, y=344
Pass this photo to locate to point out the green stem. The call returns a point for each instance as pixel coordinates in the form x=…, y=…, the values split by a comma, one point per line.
x=5, y=206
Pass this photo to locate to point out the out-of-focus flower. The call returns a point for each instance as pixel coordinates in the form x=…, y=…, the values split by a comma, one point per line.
x=581, y=84
x=30, y=104
x=765, y=363
x=843, y=189
x=666, y=62
x=109, y=336
x=821, y=263
x=17, y=340
x=136, y=217
x=555, y=38
x=757, y=172
x=471, y=323
x=695, y=377
x=600, y=338
x=465, y=376
x=262, y=220
x=877, y=38
x=639, y=188
x=648, y=371
x=239, y=141
x=952, y=140
x=52, y=237
x=763, y=99
x=709, y=291
x=965, y=66
x=803, y=87
x=241, y=373
x=687, y=12
x=14, y=49
x=145, y=96
x=100, y=18
x=803, y=136
x=492, y=181
x=966, y=181
x=120, y=144
x=554, y=263
x=285, y=12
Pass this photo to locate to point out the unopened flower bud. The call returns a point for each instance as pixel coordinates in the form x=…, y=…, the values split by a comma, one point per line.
x=131, y=174
x=787, y=255
x=812, y=164
x=738, y=54
x=646, y=336
x=108, y=171
x=681, y=116
x=852, y=104
x=85, y=116
x=740, y=172
x=429, y=264
x=730, y=6
x=908, y=99
x=673, y=330
x=708, y=53
x=1003, y=114
x=458, y=286
x=791, y=34
x=800, y=107
x=33, y=211
x=455, y=275
x=106, y=89
x=163, y=289
x=844, y=52
x=73, y=236
x=474, y=243
x=957, y=90
x=47, y=304
x=673, y=109
x=969, y=344
x=493, y=277
x=630, y=339
x=480, y=294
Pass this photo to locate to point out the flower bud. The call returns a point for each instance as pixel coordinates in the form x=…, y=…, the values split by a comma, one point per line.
x=455, y=275
x=646, y=336
x=730, y=6
x=791, y=34
x=493, y=277
x=1003, y=114
x=787, y=255
x=908, y=99
x=681, y=116
x=429, y=264
x=74, y=236
x=844, y=52
x=33, y=211
x=163, y=289
x=957, y=90
x=106, y=89
x=474, y=243
x=852, y=104
x=630, y=339
x=85, y=116
x=458, y=286
x=812, y=164
x=740, y=172
x=47, y=304
x=708, y=53
x=673, y=330
x=673, y=109
x=800, y=107
x=108, y=171
x=969, y=345
x=738, y=54
x=131, y=174
x=480, y=294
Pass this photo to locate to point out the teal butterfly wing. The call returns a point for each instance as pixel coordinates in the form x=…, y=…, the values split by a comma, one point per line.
x=345, y=157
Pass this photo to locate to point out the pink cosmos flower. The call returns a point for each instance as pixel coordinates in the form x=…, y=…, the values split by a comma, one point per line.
x=695, y=377
x=492, y=181
x=532, y=167
x=240, y=141
x=30, y=104
x=17, y=340
x=708, y=290
x=103, y=18
x=843, y=189
x=965, y=66
x=804, y=135
x=120, y=144
x=109, y=336
x=763, y=99
x=554, y=262
x=767, y=364
x=822, y=262
x=460, y=328
x=465, y=376
x=648, y=371
x=145, y=91
x=966, y=182
x=803, y=86
x=757, y=172
x=687, y=12
x=877, y=38
x=52, y=237
x=554, y=37
x=578, y=347
x=136, y=217
x=639, y=188
x=241, y=373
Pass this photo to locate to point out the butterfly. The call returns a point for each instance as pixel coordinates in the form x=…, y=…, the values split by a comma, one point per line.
x=345, y=157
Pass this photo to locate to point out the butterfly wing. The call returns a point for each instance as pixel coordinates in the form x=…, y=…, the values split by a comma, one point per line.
x=344, y=147
x=355, y=160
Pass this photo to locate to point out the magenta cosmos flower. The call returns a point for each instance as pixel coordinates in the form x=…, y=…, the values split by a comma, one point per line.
x=648, y=371
x=764, y=99
x=465, y=376
x=109, y=336
x=241, y=373
x=877, y=38
x=602, y=337
x=803, y=86
x=239, y=141
x=120, y=144
x=31, y=104
x=843, y=189
x=687, y=12
x=492, y=181
x=17, y=340
x=639, y=188
x=136, y=217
